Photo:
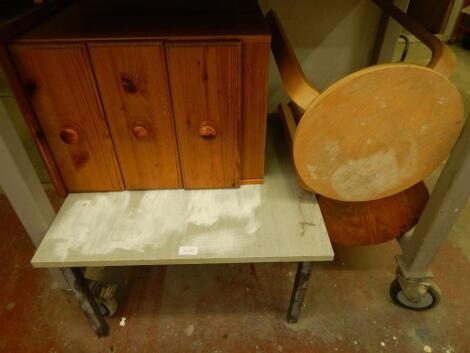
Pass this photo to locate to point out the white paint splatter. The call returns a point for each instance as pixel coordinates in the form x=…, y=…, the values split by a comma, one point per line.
x=450, y=349
x=312, y=168
x=312, y=171
x=372, y=174
x=123, y=322
x=366, y=175
x=382, y=344
x=189, y=330
x=332, y=149
x=442, y=100
x=143, y=220
x=216, y=242
x=207, y=208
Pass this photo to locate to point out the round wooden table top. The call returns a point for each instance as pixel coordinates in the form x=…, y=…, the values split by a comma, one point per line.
x=377, y=132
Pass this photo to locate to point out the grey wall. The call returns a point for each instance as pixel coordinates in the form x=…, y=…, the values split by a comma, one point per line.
x=331, y=38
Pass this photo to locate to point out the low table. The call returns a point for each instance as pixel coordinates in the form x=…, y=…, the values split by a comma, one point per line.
x=273, y=222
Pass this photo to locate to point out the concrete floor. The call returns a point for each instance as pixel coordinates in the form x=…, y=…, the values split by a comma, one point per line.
x=241, y=308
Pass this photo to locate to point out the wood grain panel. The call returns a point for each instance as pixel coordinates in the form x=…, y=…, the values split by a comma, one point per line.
x=254, y=111
x=373, y=222
x=377, y=132
x=63, y=94
x=292, y=75
x=134, y=87
x=205, y=86
x=31, y=121
x=367, y=222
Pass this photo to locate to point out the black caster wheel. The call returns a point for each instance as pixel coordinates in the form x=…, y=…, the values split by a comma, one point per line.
x=431, y=298
x=104, y=294
x=108, y=308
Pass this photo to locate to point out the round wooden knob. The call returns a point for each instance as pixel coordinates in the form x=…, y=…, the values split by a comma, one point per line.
x=69, y=135
x=207, y=130
x=140, y=131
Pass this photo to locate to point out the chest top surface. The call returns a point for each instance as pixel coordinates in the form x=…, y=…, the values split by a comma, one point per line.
x=88, y=20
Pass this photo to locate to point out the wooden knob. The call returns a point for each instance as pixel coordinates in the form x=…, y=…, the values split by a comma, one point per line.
x=140, y=131
x=207, y=130
x=69, y=135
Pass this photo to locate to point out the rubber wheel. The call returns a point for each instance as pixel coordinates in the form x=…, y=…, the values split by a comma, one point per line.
x=104, y=296
x=431, y=298
x=108, y=308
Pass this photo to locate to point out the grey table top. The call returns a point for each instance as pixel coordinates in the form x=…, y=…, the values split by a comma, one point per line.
x=271, y=222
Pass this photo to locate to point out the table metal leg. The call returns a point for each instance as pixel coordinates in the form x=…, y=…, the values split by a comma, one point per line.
x=24, y=190
x=87, y=301
x=449, y=196
x=298, y=292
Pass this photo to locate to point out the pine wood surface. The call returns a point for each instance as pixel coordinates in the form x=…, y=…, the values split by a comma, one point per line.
x=373, y=222
x=62, y=91
x=206, y=95
x=145, y=158
x=255, y=78
x=134, y=87
x=377, y=132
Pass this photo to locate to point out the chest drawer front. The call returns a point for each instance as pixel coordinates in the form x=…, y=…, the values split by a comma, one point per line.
x=134, y=88
x=62, y=92
x=205, y=87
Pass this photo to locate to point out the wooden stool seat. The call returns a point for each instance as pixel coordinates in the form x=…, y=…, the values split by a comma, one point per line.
x=377, y=132
x=365, y=143
x=373, y=222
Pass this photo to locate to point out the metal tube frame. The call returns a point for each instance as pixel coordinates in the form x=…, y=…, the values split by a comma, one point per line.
x=86, y=299
x=447, y=200
x=302, y=276
x=23, y=188
x=90, y=307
